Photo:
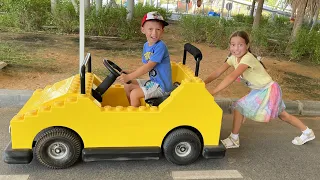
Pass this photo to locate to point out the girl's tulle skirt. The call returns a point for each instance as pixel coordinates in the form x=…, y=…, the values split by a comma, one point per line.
x=261, y=105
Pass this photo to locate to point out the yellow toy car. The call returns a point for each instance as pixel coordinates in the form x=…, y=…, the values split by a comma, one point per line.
x=85, y=116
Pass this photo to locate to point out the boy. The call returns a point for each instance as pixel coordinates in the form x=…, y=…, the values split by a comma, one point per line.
x=156, y=61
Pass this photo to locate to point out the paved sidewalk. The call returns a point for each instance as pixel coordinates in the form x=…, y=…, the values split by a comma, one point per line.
x=17, y=98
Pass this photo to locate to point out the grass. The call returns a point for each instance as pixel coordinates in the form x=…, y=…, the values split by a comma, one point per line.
x=14, y=54
x=21, y=56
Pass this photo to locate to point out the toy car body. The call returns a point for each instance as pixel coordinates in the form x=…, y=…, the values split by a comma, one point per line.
x=64, y=121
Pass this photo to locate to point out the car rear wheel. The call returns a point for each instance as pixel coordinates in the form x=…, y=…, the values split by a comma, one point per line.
x=182, y=147
x=58, y=148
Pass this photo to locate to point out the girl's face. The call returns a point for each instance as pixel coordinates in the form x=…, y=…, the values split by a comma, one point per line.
x=238, y=46
x=153, y=31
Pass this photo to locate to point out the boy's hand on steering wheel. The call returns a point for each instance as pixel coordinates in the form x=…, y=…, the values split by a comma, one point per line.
x=123, y=78
x=125, y=72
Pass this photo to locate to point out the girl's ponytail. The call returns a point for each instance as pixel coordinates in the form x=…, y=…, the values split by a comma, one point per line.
x=228, y=57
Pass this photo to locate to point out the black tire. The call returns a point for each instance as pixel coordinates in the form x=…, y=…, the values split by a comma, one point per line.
x=182, y=147
x=65, y=148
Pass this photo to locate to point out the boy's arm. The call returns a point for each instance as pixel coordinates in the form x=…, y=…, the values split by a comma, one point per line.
x=142, y=70
x=126, y=71
x=139, y=72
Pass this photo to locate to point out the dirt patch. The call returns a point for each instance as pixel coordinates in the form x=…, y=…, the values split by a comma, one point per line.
x=57, y=59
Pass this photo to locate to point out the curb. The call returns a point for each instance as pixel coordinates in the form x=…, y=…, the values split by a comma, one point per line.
x=297, y=107
x=17, y=98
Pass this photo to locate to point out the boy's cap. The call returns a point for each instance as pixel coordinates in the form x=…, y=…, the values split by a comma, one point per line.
x=153, y=16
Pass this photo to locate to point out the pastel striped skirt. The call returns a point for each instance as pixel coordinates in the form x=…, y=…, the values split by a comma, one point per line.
x=261, y=105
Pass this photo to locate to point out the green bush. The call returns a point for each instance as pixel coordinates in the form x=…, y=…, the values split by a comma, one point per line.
x=193, y=28
x=106, y=22
x=209, y=29
x=34, y=14
x=243, y=18
x=273, y=38
x=112, y=21
x=299, y=46
x=281, y=21
x=26, y=14
x=259, y=40
x=223, y=31
x=140, y=11
x=8, y=19
x=65, y=18
x=215, y=32
x=307, y=44
x=270, y=38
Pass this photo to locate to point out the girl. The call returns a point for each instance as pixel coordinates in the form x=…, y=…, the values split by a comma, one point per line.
x=264, y=102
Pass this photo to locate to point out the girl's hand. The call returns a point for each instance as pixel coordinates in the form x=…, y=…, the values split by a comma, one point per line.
x=213, y=92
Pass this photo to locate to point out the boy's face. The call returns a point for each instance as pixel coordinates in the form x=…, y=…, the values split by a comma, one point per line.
x=153, y=31
x=238, y=46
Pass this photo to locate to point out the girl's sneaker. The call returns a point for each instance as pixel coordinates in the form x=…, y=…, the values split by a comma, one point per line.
x=231, y=143
x=304, y=138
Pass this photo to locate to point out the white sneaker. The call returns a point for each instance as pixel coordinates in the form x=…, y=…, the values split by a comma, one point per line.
x=300, y=141
x=231, y=143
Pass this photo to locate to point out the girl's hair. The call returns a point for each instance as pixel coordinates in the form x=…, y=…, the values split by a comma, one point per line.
x=246, y=38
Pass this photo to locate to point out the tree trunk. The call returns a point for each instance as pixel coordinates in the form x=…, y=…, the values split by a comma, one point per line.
x=222, y=8
x=112, y=3
x=130, y=6
x=277, y=4
x=293, y=12
x=87, y=5
x=53, y=6
x=98, y=6
x=257, y=18
x=75, y=5
x=194, y=4
x=315, y=19
x=253, y=5
x=156, y=3
x=299, y=20
x=294, y=5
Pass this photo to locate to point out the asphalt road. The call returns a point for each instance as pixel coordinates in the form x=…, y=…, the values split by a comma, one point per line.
x=266, y=153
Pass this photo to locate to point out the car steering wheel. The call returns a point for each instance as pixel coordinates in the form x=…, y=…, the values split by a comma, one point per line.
x=112, y=67
x=115, y=72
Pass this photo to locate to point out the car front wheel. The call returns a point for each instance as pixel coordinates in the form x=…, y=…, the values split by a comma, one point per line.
x=58, y=148
x=182, y=146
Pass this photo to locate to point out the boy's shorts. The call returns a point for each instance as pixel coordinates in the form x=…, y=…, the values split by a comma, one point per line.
x=151, y=89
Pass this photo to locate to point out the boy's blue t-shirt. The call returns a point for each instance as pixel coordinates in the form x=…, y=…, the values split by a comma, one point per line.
x=161, y=73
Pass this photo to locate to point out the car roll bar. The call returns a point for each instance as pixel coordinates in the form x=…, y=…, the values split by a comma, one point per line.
x=86, y=63
x=196, y=54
